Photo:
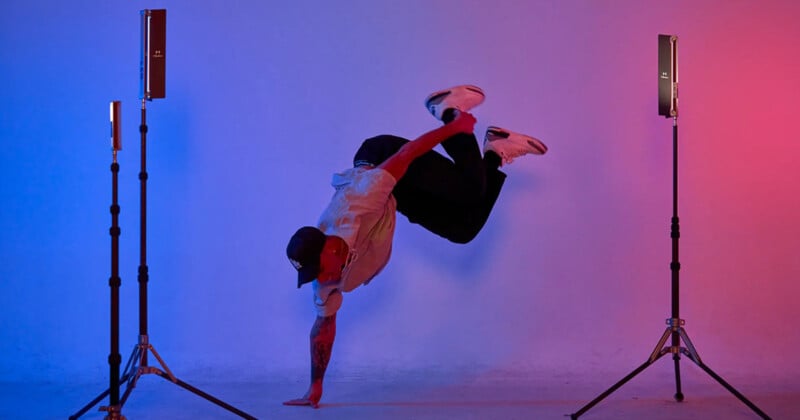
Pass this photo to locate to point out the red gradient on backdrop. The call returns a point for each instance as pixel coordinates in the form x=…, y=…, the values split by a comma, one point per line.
x=742, y=171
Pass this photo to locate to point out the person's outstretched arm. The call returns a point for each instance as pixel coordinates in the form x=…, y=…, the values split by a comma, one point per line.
x=322, y=335
x=397, y=164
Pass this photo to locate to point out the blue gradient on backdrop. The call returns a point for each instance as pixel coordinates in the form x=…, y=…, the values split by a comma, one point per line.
x=265, y=100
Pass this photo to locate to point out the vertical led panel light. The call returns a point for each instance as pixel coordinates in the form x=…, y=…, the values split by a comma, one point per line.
x=152, y=68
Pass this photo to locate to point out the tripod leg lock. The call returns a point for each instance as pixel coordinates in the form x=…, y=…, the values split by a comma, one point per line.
x=675, y=322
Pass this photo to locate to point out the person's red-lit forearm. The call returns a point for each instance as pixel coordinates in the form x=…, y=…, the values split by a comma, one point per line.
x=321, y=339
x=322, y=335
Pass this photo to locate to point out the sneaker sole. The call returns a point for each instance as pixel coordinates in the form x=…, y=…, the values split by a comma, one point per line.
x=436, y=98
x=533, y=142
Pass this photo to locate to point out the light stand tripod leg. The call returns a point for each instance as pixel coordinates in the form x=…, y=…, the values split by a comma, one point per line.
x=660, y=351
x=133, y=372
x=609, y=391
x=732, y=390
x=657, y=354
x=208, y=397
x=691, y=353
x=141, y=368
x=130, y=369
x=131, y=364
x=163, y=364
x=88, y=406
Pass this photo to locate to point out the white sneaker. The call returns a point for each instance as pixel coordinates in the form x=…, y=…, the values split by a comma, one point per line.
x=462, y=98
x=510, y=145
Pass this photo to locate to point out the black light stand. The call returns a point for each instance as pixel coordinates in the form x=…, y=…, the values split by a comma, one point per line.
x=152, y=86
x=153, y=78
x=137, y=365
x=114, y=358
x=114, y=281
x=668, y=106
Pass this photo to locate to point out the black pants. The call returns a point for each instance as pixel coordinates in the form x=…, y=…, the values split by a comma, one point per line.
x=451, y=198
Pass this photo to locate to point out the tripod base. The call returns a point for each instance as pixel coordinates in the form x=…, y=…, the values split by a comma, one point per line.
x=113, y=413
x=678, y=333
x=134, y=369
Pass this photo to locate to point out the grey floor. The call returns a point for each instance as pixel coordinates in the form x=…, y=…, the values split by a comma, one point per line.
x=423, y=395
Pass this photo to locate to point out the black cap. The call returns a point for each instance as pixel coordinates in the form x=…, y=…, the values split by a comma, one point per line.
x=303, y=252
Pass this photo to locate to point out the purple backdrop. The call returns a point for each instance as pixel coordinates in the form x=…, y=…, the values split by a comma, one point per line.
x=266, y=99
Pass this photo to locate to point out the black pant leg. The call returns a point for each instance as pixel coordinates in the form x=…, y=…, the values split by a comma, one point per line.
x=452, y=199
x=459, y=223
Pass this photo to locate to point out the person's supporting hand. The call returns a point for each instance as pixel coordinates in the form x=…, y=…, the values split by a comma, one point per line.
x=464, y=122
x=322, y=335
x=311, y=398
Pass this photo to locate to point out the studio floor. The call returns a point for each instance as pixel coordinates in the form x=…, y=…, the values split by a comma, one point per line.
x=423, y=395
